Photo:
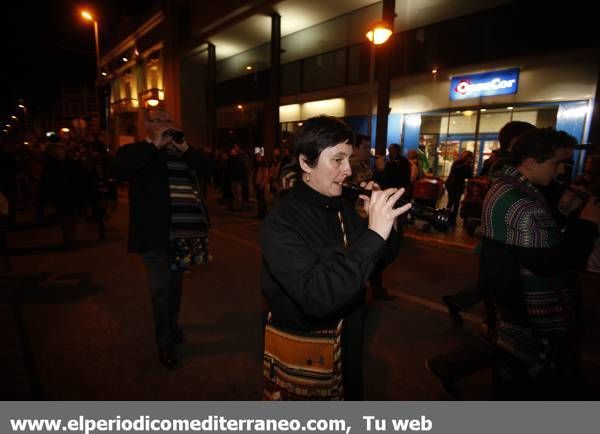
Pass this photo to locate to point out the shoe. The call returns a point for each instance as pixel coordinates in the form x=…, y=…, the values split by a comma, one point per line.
x=178, y=336
x=453, y=310
x=168, y=358
x=434, y=367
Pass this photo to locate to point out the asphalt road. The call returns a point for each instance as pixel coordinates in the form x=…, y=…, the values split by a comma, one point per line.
x=78, y=324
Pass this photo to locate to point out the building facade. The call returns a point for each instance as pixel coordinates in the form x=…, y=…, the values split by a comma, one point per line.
x=251, y=72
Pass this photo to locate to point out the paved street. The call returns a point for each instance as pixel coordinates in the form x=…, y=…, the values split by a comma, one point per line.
x=78, y=324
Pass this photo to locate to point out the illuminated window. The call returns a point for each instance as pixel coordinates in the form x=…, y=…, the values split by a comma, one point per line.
x=154, y=78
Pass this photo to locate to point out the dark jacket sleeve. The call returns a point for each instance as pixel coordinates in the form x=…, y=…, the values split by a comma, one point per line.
x=132, y=158
x=388, y=253
x=321, y=284
x=575, y=248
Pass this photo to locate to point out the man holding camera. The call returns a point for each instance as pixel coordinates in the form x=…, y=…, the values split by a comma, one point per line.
x=168, y=222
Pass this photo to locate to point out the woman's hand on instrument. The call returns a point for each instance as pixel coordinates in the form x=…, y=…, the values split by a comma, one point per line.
x=382, y=214
x=372, y=186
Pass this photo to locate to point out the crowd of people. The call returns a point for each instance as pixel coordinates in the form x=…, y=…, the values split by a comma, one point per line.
x=324, y=251
x=62, y=179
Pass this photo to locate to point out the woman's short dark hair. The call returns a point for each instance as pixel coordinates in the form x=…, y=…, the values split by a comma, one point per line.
x=540, y=144
x=318, y=133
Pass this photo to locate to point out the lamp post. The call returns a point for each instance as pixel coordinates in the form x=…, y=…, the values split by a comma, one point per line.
x=86, y=15
x=378, y=34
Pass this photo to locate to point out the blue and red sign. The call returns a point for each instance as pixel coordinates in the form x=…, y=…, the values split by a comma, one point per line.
x=503, y=82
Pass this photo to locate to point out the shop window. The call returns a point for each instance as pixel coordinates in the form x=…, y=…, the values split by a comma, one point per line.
x=546, y=118
x=431, y=124
x=488, y=147
x=492, y=122
x=153, y=72
x=525, y=116
x=461, y=123
x=127, y=85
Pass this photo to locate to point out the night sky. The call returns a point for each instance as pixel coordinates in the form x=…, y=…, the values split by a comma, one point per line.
x=47, y=43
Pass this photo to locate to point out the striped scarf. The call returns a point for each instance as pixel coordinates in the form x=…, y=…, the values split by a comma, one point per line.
x=188, y=237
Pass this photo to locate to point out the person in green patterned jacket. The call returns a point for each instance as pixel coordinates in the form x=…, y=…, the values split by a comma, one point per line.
x=528, y=274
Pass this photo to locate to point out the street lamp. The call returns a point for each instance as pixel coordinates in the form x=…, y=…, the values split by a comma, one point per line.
x=378, y=34
x=86, y=15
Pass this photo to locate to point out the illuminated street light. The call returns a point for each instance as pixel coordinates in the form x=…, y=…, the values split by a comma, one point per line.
x=152, y=102
x=65, y=130
x=379, y=33
x=87, y=15
x=13, y=117
x=125, y=59
x=21, y=106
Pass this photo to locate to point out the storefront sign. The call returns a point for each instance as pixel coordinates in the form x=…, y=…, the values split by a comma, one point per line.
x=502, y=82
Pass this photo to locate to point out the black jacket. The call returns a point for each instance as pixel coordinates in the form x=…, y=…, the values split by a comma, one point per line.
x=145, y=168
x=311, y=280
x=460, y=170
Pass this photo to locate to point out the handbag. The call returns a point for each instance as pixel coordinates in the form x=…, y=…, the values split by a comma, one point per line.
x=301, y=366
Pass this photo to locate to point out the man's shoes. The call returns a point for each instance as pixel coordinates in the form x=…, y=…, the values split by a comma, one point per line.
x=435, y=367
x=178, y=336
x=453, y=310
x=169, y=358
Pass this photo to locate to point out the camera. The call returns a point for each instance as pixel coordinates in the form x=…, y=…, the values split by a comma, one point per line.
x=176, y=135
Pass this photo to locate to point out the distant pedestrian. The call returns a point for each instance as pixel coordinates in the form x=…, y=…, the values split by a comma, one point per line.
x=461, y=170
x=61, y=181
x=260, y=180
